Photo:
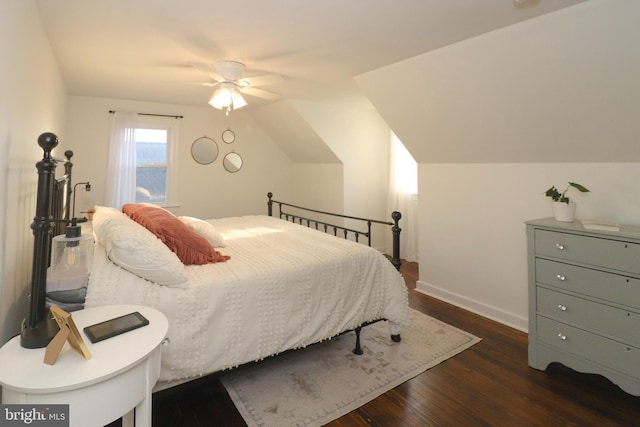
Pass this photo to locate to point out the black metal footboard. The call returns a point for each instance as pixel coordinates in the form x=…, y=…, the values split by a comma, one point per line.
x=328, y=227
x=334, y=228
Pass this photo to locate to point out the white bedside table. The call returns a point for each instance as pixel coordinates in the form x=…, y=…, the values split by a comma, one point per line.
x=118, y=378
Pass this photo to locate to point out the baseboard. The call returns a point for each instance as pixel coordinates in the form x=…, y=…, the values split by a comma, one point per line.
x=490, y=312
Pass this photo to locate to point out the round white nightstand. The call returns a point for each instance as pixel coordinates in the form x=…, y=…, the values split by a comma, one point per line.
x=118, y=378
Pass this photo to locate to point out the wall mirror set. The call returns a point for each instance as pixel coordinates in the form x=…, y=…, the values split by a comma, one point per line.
x=205, y=151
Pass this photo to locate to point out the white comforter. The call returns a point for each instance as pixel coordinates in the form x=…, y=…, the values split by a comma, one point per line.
x=285, y=286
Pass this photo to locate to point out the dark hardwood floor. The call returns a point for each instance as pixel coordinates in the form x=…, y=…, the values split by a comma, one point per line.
x=489, y=384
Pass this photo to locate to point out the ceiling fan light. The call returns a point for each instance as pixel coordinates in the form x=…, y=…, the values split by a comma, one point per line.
x=237, y=99
x=227, y=97
x=221, y=98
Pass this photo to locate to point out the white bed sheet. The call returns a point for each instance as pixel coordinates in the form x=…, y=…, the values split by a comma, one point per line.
x=285, y=287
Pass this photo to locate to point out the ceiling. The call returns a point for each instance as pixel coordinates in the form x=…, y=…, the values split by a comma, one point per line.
x=143, y=49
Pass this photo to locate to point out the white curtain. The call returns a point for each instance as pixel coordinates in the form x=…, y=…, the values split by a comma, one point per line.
x=121, y=167
x=173, y=135
x=403, y=197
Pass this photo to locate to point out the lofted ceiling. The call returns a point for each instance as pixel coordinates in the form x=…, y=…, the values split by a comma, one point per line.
x=144, y=49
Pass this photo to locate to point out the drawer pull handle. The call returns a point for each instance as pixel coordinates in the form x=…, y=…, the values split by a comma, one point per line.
x=562, y=336
x=562, y=307
x=561, y=277
x=560, y=246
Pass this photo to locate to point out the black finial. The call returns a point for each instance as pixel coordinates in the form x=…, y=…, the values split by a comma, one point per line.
x=47, y=141
x=68, y=154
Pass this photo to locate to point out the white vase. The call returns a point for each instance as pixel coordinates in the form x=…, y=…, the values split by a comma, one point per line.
x=564, y=212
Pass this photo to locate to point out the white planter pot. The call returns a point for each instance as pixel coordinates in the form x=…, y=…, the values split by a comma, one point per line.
x=565, y=212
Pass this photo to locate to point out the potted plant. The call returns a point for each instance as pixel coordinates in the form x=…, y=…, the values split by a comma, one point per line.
x=564, y=208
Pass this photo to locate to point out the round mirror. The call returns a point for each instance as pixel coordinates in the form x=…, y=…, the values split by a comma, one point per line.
x=204, y=150
x=232, y=162
x=228, y=136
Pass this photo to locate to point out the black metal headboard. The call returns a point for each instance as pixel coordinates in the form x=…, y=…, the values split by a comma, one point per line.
x=61, y=199
x=52, y=215
x=328, y=227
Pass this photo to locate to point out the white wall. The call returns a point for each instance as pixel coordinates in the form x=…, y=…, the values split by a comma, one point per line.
x=320, y=186
x=318, y=172
x=32, y=101
x=472, y=242
x=496, y=120
x=205, y=191
x=360, y=138
x=562, y=87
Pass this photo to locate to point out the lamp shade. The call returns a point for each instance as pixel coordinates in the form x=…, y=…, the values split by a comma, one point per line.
x=71, y=256
x=237, y=99
x=68, y=276
x=227, y=97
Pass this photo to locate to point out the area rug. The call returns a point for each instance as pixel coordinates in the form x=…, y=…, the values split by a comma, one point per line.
x=313, y=386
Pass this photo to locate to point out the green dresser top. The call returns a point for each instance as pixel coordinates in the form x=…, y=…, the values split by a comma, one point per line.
x=626, y=231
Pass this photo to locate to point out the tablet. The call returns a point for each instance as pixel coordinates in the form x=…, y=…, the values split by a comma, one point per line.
x=112, y=327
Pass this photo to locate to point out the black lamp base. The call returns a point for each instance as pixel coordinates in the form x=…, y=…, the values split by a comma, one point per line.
x=40, y=335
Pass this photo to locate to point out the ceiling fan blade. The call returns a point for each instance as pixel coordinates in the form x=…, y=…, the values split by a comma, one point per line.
x=208, y=70
x=264, y=80
x=208, y=84
x=260, y=93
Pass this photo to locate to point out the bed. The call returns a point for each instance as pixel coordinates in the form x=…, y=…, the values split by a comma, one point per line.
x=285, y=286
x=269, y=284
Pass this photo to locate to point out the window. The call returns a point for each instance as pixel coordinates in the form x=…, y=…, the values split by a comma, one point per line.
x=151, y=165
x=142, y=160
x=405, y=168
x=403, y=196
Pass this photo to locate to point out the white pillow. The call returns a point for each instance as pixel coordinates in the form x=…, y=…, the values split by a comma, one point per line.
x=136, y=249
x=100, y=224
x=204, y=229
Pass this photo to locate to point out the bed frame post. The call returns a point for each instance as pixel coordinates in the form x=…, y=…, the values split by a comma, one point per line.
x=42, y=226
x=38, y=332
x=270, y=203
x=358, y=349
x=395, y=229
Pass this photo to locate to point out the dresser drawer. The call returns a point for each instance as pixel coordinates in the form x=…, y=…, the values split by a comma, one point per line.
x=602, y=318
x=604, y=351
x=596, y=251
x=598, y=284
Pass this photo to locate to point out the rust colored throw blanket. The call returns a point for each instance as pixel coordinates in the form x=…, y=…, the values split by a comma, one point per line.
x=190, y=247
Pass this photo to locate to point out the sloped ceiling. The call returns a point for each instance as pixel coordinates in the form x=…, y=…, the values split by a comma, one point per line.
x=293, y=133
x=562, y=87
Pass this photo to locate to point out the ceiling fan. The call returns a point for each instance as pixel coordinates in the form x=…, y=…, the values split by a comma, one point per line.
x=230, y=85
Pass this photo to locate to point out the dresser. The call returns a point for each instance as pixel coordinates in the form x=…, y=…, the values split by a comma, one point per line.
x=584, y=299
